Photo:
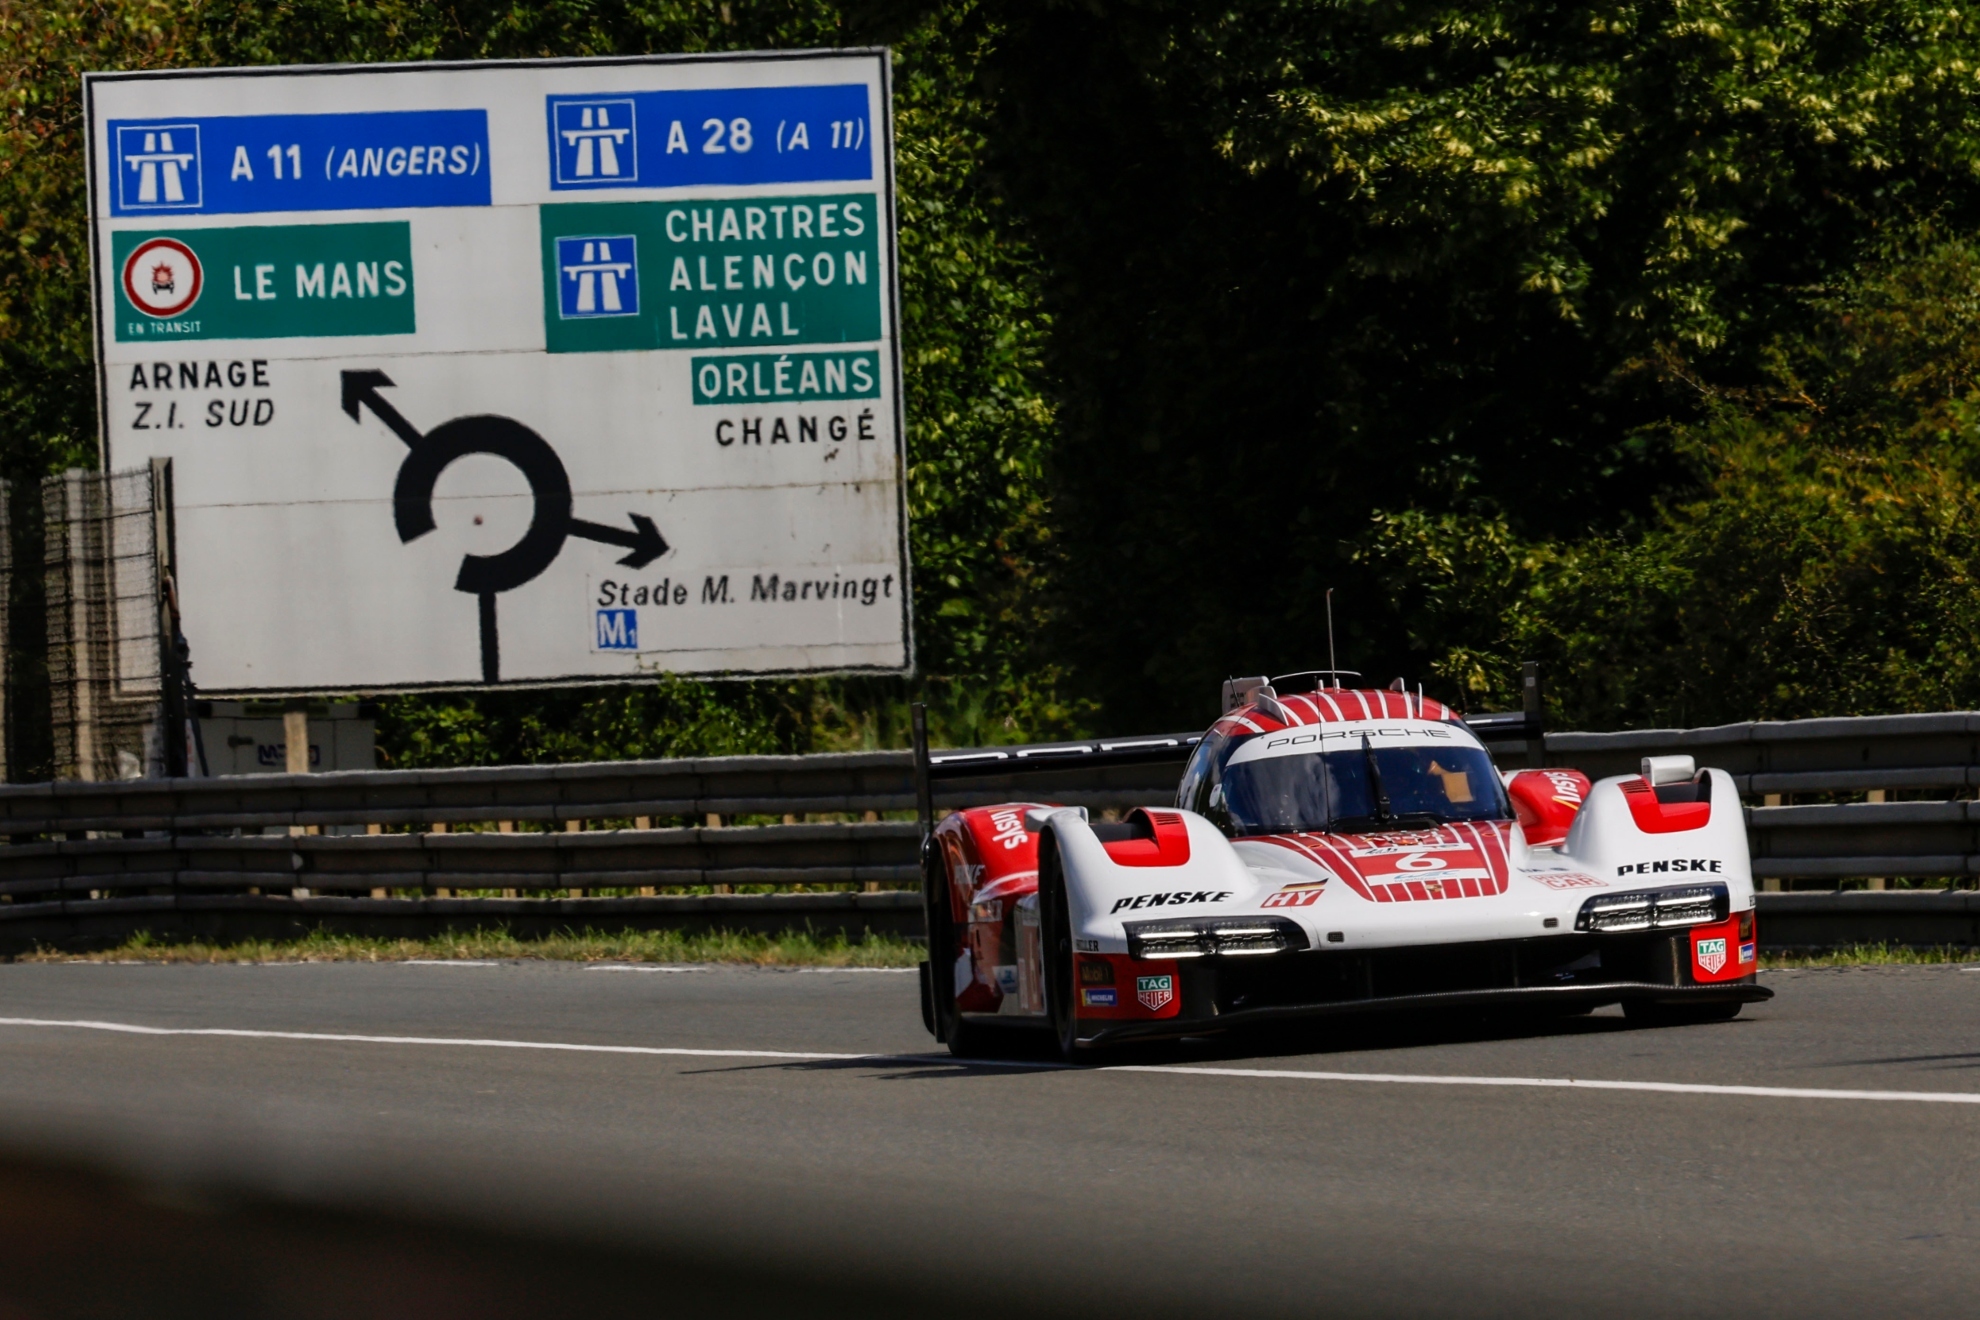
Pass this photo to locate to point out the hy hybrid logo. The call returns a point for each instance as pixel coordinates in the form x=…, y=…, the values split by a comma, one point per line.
x=596, y=142
x=598, y=277
x=158, y=167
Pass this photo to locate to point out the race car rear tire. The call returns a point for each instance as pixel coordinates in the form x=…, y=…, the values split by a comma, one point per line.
x=963, y=1039
x=1056, y=950
x=1649, y=1013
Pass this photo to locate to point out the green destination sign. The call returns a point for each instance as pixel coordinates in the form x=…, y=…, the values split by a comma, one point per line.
x=786, y=377
x=711, y=274
x=264, y=282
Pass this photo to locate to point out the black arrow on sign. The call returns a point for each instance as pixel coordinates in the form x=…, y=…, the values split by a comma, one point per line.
x=550, y=488
x=361, y=388
x=644, y=539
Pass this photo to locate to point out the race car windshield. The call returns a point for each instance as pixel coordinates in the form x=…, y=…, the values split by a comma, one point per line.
x=1361, y=788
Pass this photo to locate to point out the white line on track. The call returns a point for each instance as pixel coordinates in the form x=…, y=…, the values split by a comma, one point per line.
x=1575, y=1083
x=855, y=971
x=1172, y=1070
x=132, y=1029
x=638, y=967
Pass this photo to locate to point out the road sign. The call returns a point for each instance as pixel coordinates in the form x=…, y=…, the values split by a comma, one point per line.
x=538, y=372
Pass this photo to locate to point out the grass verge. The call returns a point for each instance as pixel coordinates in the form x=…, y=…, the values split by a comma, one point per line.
x=790, y=949
x=1869, y=955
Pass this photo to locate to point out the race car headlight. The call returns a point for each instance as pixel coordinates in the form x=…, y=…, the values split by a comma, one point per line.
x=1654, y=909
x=1223, y=937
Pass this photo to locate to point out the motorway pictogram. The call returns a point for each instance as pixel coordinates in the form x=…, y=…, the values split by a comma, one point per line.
x=550, y=524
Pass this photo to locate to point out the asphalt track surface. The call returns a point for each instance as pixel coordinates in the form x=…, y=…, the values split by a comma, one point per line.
x=706, y=1110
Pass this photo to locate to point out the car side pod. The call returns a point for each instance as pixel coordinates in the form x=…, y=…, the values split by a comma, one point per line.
x=1633, y=833
x=1096, y=885
x=1670, y=850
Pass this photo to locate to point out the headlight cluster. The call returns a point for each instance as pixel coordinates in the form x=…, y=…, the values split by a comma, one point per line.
x=1224, y=937
x=1654, y=909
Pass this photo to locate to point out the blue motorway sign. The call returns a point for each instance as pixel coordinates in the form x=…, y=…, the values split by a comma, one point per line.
x=597, y=277
x=739, y=135
x=232, y=165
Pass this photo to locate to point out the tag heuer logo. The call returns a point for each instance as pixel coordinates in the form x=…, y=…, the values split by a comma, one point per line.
x=1712, y=954
x=1155, y=992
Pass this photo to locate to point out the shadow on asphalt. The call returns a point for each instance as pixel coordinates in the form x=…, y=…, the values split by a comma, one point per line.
x=1363, y=1035
x=86, y=1242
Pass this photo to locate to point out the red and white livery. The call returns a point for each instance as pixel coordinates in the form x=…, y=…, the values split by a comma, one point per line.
x=1334, y=851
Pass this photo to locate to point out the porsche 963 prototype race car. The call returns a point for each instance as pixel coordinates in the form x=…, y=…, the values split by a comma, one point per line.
x=1332, y=851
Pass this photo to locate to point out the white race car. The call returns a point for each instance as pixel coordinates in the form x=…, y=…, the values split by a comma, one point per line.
x=1339, y=851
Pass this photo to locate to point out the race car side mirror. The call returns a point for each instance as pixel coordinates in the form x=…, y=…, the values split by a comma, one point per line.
x=1546, y=803
x=1238, y=691
x=1669, y=770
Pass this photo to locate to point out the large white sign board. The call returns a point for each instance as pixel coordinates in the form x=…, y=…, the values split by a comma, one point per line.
x=520, y=373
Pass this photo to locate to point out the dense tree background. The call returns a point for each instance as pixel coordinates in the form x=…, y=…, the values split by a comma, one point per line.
x=1636, y=338
x=1324, y=275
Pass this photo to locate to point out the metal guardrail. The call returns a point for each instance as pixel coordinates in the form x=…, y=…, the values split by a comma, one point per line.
x=1082, y=774
x=252, y=844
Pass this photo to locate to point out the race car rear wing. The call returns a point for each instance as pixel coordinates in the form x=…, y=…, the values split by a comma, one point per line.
x=982, y=762
x=1502, y=733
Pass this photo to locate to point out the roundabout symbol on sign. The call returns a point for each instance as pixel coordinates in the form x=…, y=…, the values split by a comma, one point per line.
x=550, y=523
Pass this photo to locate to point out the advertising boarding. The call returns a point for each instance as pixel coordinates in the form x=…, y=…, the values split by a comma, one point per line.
x=521, y=373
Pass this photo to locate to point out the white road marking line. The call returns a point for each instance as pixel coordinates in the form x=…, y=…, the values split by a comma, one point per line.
x=1575, y=1083
x=131, y=1029
x=828, y=971
x=1276, y=1074
x=448, y=962
x=632, y=967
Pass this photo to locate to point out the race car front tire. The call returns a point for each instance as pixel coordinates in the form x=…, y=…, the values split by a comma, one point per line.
x=1056, y=951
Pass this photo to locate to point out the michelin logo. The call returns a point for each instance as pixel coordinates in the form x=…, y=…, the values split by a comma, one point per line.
x=596, y=142
x=158, y=167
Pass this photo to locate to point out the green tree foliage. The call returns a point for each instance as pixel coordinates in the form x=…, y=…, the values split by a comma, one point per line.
x=1828, y=561
x=1316, y=269
x=670, y=716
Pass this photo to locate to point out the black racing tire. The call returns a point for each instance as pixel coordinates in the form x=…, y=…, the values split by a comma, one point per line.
x=1056, y=949
x=1650, y=1013
x=964, y=1039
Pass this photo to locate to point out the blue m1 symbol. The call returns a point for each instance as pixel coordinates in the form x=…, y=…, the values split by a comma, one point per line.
x=618, y=630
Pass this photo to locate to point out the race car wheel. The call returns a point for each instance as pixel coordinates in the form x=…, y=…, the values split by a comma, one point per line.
x=1649, y=1013
x=1055, y=937
x=962, y=1039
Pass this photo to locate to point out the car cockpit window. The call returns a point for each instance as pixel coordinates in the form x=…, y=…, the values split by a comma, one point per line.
x=1355, y=785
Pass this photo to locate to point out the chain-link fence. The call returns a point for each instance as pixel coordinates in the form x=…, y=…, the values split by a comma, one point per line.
x=104, y=653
